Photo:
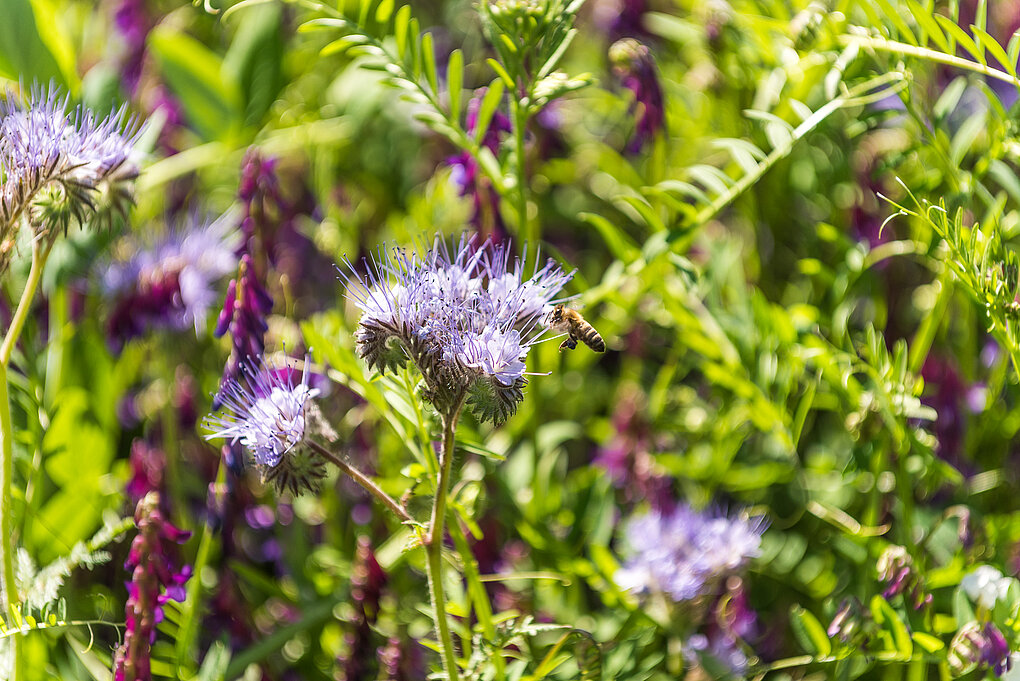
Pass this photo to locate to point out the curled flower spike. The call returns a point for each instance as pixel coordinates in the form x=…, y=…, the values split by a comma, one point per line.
x=467, y=320
x=685, y=553
x=61, y=167
x=270, y=416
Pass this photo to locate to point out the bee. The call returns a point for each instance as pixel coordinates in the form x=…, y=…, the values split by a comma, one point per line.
x=563, y=319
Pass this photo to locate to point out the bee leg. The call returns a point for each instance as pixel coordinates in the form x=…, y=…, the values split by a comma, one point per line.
x=569, y=343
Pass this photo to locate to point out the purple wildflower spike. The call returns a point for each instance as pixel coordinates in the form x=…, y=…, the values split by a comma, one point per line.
x=244, y=315
x=685, y=553
x=269, y=416
x=634, y=66
x=155, y=579
x=467, y=320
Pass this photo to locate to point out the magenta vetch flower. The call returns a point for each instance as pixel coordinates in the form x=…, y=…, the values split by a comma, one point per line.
x=684, y=553
x=466, y=319
x=170, y=285
x=156, y=577
x=896, y=570
x=633, y=65
x=979, y=646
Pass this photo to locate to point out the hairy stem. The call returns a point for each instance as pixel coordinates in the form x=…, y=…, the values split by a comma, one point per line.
x=40, y=251
x=434, y=543
x=366, y=482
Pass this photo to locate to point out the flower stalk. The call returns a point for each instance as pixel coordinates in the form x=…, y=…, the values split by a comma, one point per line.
x=366, y=482
x=434, y=542
x=40, y=251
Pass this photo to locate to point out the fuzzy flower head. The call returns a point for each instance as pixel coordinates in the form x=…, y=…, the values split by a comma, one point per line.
x=59, y=166
x=684, y=553
x=271, y=416
x=172, y=284
x=467, y=319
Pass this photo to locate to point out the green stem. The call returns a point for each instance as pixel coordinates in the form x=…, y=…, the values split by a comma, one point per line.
x=366, y=482
x=480, y=598
x=40, y=251
x=434, y=543
x=10, y=594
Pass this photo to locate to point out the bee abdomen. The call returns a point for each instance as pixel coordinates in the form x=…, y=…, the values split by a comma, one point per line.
x=592, y=339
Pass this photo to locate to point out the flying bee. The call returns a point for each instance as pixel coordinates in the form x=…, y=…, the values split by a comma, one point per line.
x=565, y=320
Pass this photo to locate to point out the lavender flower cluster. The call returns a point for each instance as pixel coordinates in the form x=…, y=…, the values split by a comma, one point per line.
x=684, y=553
x=60, y=167
x=467, y=320
x=270, y=416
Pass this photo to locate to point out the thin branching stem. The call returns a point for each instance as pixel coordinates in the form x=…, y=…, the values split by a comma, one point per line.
x=366, y=482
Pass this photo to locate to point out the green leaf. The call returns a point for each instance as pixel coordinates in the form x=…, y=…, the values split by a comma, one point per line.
x=809, y=632
x=195, y=74
x=490, y=102
x=619, y=244
x=254, y=60
x=428, y=55
x=884, y=614
x=501, y=72
x=929, y=643
x=400, y=26
x=384, y=11
x=33, y=49
x=454, y=82
x=993, y=46
x=961, y=37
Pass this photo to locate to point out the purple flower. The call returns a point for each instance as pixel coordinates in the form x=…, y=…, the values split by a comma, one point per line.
x=170, y=285
x=685, y=553
x=979, y=646
x=155, y=579
x=896, y=570
x=722, y=648
x=466, y=320
x=269, y=416
x=466, y=174
x=244, y=315
x=58, y=165
x=633, y=65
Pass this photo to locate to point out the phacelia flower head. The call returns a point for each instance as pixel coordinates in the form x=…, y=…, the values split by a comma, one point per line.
x=467, y=319
x=271, y=417
x=59, y=166
x=170, y=285
x=684, y=553
x=633, y=65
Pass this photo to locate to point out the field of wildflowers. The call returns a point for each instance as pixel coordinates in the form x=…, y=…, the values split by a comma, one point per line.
x=508, y=340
